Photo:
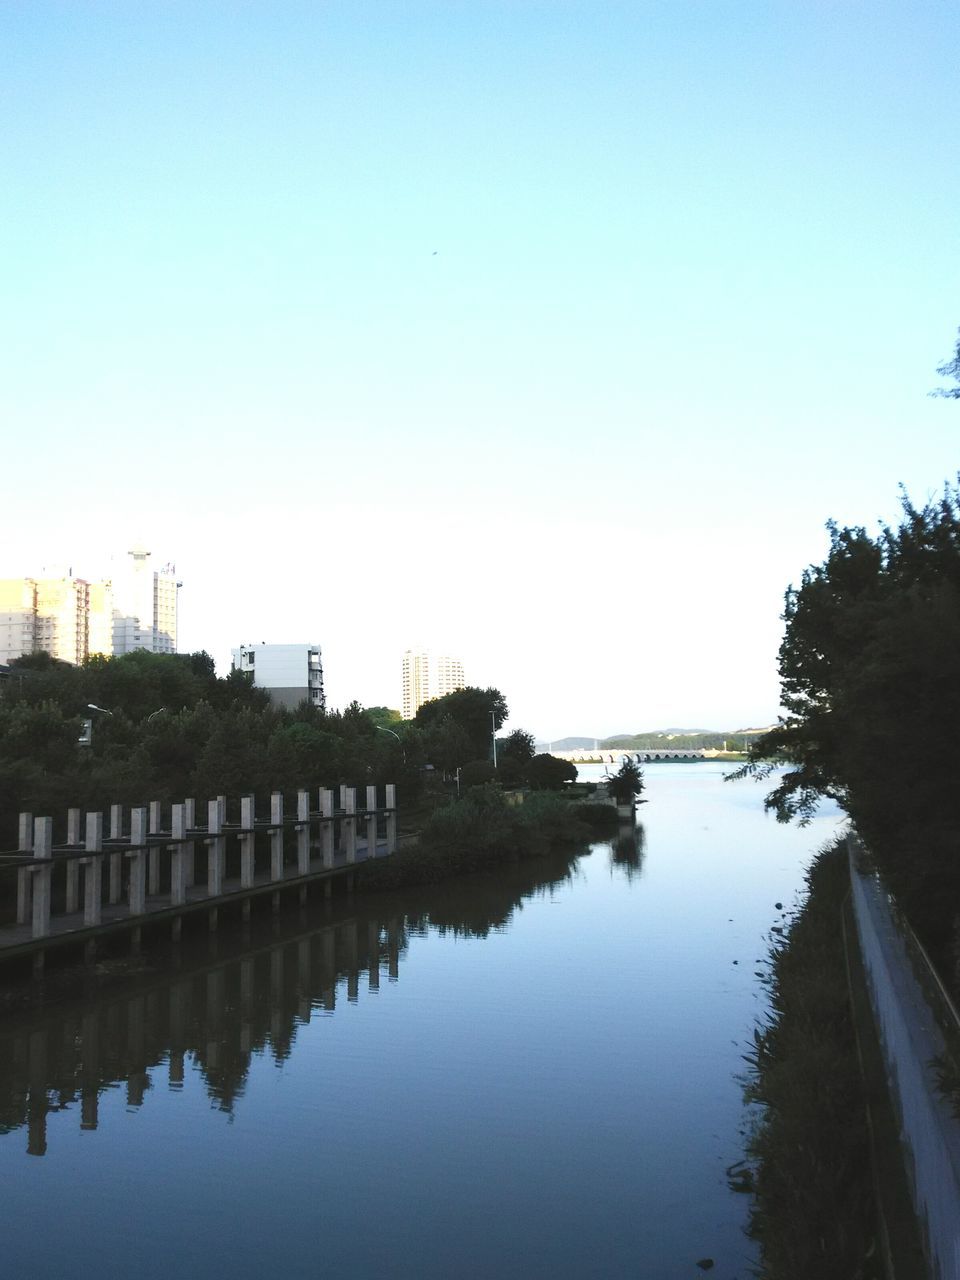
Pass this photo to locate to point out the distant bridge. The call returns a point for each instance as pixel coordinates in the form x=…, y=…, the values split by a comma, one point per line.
x=604, y=755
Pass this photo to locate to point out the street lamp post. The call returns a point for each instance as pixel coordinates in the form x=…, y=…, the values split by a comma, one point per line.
x=381, y=729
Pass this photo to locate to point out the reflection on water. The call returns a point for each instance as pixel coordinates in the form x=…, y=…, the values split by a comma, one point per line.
x=532, y=1072
x=627, y=850
x=228, y=1003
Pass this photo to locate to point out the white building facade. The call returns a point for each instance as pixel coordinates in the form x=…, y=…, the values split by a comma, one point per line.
x=71, y=618
x=290, y=673
x=426, y=677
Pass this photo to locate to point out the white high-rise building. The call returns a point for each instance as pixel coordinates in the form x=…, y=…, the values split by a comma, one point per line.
x=425, y=678
x=290, y=673
x=144, y=605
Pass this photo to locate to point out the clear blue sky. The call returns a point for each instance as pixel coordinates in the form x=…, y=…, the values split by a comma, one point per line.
x=544, y=334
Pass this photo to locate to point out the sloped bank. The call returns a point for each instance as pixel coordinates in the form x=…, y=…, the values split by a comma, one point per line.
x=829, y=1197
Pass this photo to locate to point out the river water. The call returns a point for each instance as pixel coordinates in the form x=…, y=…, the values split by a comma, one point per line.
x=532, y=1073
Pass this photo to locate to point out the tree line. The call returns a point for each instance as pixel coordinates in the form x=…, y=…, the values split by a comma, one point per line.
x=165, y=727
x=870, y=675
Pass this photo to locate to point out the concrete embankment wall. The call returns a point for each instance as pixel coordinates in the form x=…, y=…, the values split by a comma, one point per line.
x=918, y=1025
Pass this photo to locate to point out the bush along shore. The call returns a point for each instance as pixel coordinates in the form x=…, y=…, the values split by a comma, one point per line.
x=809, y=1164
x=484, y=829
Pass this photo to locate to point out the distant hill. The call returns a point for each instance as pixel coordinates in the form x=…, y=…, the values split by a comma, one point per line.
x=652, y=739
x=567, y=744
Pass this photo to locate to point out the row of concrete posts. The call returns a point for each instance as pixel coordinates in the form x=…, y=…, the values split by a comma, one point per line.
x=166, y=857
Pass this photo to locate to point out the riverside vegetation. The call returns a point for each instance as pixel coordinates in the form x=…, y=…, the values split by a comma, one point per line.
x=870, y=673
x=165, y=727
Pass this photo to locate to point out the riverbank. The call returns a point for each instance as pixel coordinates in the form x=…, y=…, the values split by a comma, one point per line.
x=829, y=1193
x=484, y=829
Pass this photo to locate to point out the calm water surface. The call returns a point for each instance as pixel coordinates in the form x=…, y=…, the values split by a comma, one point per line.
x=532, y=1073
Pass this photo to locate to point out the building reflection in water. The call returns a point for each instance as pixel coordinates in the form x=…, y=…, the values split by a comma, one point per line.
x=218, y=1002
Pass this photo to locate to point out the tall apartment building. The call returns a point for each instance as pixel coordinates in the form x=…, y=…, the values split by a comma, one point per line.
x=18, y=617
x=425, y=678
x=290, y=673
x=71, y=618
x=144, y=605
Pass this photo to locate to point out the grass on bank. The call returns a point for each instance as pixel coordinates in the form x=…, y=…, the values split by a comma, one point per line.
x=814, y=1213
x=482, y=829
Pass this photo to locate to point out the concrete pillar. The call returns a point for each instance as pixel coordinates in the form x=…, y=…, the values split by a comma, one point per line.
x=216, y=856
x=303, y=850
x=72, y=898
x=190, y=821
x=116, y=859
x=222, y=810
x=93, y=842
x=178, y=856
x=392, y=831
x=247, y=842
x=137, y=857
x=371, y=799
x=372, y=836
x=327, y=844
x=73, y=827
x=137, y=887
x=391, y=797
x=43, y=876
x=348, y=829
x=153, y=857
x=348, y=834
x=24, y=875
x=303, y=806
x=216, y=848
x=73, y=865
x=343, y=795
x=326, y=802
x=276, y=836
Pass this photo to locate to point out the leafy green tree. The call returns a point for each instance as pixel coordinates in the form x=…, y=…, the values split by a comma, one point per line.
x=950, y=369
x=446, y=743
x=626, y=785
x=514, y=754
x=478, y=712
x=548, y=773
x=870, y=675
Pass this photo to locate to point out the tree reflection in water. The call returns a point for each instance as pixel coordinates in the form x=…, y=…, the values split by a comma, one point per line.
x=627, y=851
x=217, y=1002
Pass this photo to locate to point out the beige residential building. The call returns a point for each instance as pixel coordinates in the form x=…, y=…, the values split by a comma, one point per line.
x=71, y=618
x=61, y=618
x=18, y=612
x=426, y=677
